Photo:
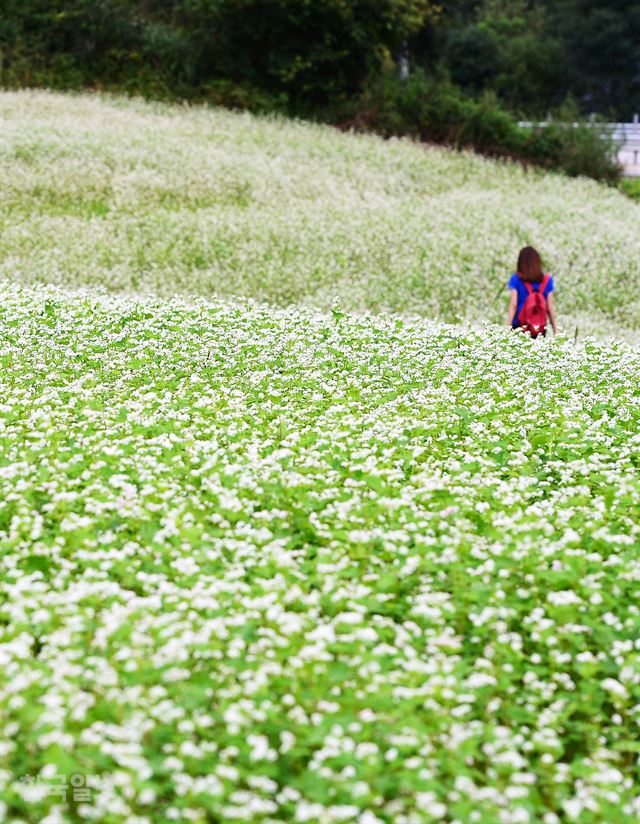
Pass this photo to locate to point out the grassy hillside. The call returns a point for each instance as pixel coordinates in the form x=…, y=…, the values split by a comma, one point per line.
x=132, y=196
x=263, y=565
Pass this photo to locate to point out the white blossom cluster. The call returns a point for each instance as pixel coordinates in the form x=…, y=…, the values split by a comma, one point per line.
x=285, y=565
x=139, y=197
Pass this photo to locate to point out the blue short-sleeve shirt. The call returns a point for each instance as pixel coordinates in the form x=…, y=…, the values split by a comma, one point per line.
x=516, y=283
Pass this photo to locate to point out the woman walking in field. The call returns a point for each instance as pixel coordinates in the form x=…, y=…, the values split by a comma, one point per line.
x=531, y=296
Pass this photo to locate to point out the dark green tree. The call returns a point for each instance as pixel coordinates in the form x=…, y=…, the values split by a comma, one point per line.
x=312, y=53
x=601, y=46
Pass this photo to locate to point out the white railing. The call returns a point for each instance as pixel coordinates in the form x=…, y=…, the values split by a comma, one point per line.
x=625, y=135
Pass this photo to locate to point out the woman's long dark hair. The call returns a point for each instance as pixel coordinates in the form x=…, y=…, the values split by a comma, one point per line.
x=530, y=265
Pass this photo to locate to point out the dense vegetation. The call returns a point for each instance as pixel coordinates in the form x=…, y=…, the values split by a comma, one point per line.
x=631, y=187
x=535, y=53
x=188, y=199
x=476, y=66
x=269, y=566
x=292, y=564
x=531, y=53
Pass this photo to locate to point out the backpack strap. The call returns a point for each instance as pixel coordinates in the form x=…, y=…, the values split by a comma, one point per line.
x=542, y=285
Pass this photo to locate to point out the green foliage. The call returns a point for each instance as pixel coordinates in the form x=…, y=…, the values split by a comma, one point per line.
x=314, y=54
x=600, y=64
x=318, y=59
x=309, y=57
x=631, y=187
x=436, y=111
x=578, y=150
x=534, y=55
x=203, y=200
x=505, y=50
x=250, y=571
x=304, y=55
x=284, y=564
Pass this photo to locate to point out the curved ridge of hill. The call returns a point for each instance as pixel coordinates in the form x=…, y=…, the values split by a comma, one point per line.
x=132, y=196
x=267, y=565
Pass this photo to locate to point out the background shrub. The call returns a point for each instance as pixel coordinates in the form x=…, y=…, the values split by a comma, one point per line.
x=476, y=68
x=435, y=110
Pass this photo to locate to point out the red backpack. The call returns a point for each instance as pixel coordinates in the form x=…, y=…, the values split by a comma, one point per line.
x=533, y=315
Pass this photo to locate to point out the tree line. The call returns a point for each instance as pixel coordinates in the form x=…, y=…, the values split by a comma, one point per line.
x=355, y=62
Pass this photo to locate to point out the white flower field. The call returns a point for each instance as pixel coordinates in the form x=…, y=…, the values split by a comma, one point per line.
x=136, y=197
x=265, y=560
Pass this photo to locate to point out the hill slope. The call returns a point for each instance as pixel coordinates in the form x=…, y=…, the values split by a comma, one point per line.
x=132, y=196
x=272, y=565
x=283, y=564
